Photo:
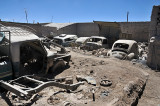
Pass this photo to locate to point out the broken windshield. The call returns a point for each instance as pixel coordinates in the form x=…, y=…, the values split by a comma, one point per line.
x=121, y=47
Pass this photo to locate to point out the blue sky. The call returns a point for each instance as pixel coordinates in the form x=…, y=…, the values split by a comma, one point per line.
x=64, y=11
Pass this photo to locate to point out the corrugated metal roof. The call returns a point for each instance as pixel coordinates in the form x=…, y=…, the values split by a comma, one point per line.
x=18, y=34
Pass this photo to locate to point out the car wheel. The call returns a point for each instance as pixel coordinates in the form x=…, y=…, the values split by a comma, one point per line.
x=57, y=67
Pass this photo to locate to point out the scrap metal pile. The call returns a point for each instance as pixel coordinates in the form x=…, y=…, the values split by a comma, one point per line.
x=27, y=87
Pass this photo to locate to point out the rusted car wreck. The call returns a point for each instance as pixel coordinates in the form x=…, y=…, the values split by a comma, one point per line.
x=23, y=53
x=95, y=42
x=29, y=53
x=124, y=49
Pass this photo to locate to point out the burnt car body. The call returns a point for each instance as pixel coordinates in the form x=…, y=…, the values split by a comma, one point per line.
x=41, y=54
x=24, y=53
x=123, y=49
x=65, y=39
x=95, y=42
x=81, y=40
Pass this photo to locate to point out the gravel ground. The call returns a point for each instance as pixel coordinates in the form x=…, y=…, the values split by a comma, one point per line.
x=120, y=72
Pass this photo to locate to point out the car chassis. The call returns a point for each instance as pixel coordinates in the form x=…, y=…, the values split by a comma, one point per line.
x=26, y=86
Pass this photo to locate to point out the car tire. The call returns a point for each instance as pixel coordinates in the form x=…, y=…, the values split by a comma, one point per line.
x=58, y=66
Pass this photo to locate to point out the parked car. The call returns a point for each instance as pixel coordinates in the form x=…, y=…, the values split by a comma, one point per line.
x=65, y=39
x=123, y=49
x=95, y=42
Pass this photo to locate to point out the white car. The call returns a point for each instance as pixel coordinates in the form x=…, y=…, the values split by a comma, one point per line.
x=81, y=40
x=123, y=49
x=96, y=42
x=65, y=39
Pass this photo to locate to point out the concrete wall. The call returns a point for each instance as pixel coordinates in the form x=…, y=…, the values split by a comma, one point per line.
x=138, y=30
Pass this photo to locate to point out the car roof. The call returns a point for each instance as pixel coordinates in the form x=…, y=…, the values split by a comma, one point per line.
x=129, y=42
x=65, y=36
x=81, y=39
x=100, y=37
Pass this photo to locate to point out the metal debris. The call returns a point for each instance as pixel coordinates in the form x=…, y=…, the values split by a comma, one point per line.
x=104, y=94
x=93, y=93
x=90, y=80
x=105, y=83
x=69, y=80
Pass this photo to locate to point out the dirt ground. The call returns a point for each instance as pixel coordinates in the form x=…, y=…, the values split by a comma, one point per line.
x=142, y=82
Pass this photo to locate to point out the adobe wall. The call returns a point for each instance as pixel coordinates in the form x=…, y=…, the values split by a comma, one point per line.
x=49, y=31
x=80, y=29
x=70, y=29
x=138, y=30
x=87, y=29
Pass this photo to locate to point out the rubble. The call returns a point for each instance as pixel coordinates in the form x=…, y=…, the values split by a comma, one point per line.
x=132, y=92
x=102, y=52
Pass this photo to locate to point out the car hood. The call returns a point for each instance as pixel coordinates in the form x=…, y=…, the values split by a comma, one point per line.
x=118, y=54
x=93, y=43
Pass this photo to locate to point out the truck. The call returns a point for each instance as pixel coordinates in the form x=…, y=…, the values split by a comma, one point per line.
x=26, y=59
x=29, y=54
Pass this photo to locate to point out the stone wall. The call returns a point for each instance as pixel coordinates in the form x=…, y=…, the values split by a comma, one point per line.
x=154, y=44
x=155, y=22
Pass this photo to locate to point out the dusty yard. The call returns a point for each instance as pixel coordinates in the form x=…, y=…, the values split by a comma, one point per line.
x=130, y=84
